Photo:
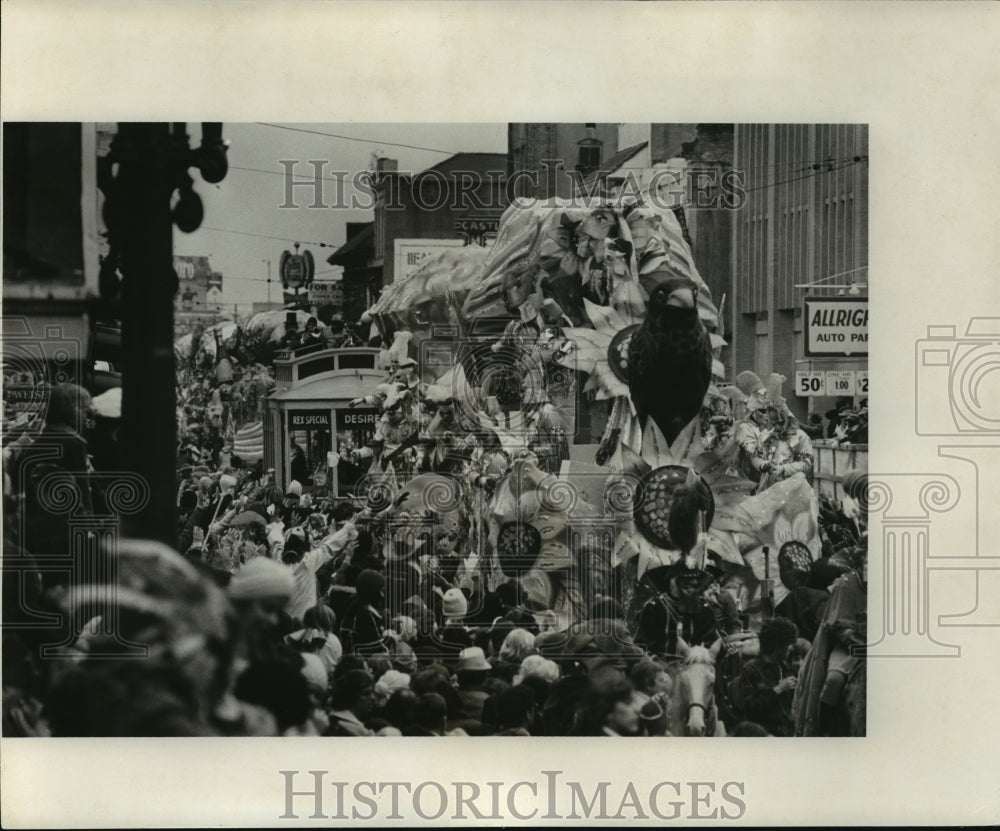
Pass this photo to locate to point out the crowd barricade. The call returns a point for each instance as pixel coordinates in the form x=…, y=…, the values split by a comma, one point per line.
x=831, y=460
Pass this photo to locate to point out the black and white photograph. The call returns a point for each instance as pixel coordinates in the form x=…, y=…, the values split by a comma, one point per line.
x=500, y=463
x=406, y=421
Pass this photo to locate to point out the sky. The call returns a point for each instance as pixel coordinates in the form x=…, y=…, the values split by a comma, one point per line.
x=245, y=225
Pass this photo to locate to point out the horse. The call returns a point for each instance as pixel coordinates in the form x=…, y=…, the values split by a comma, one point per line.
x=693, y=711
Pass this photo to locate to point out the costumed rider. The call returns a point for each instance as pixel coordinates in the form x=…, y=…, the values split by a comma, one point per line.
x=770, y=445
x=691, y=604
x=446, y=446
x=396, y=434
x=404, y=373
x=547, y=426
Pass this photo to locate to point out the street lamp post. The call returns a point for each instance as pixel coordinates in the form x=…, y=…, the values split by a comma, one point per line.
x=153, y=161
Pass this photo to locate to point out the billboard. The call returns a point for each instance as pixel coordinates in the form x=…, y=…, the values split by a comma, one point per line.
x=409, y=254
x=836, y=326
x=194, y=279
x=326, y=293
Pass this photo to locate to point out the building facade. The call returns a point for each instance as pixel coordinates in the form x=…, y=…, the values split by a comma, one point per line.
x=541, y=158
x=442, y=202
x=362, y=278
x=801, y=233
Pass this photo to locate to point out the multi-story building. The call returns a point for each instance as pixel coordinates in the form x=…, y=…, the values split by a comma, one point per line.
x=459, y=199
x=542, y=158
x=802, y=233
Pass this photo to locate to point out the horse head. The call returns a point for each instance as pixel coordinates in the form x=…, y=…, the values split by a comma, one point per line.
x=696, y=687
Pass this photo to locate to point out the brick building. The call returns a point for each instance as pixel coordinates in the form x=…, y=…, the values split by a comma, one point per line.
x=542, y=157
x=437, y=203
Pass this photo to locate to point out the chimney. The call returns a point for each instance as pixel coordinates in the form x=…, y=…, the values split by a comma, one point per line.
x=384, y=165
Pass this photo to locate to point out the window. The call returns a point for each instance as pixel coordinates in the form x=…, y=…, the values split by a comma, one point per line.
x=590, y=158
x=362, y=361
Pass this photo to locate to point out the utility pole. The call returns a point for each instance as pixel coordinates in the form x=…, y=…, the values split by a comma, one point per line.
x=153, y=161
x=268, y=280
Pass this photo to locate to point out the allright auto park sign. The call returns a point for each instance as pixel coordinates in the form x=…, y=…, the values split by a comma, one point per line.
x=836, y=326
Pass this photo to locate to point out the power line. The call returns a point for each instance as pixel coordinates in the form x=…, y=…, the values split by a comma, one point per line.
x=808, y=165
x=284, y=173
x=355, y=138
x=809, y=175
x=269, y=236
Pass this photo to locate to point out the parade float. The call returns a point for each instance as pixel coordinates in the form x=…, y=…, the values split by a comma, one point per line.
x=583, y=313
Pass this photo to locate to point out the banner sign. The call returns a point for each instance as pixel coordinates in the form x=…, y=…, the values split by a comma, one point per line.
x=808, y=384
x=836, y=326
x=478, y=230
x=308, y=419
x=362, y=417
x=409, y=254
x=861, y=384
x=327, y=293
x=839, y=383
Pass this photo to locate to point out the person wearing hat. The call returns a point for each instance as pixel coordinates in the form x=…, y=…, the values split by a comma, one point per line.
x=835, y=416
x=406, y=373
x=472, y=671
x=790, y=449
x=453, y=636
x=753, y=429
x=292, y=338
x=259, y=592
x=770, y=445
x=312, y=338
x=317, y=676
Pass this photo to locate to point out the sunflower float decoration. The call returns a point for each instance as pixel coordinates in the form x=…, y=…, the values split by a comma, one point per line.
x=533, y=535
x=638, y=494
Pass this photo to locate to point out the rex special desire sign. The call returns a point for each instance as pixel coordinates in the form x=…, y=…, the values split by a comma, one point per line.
x=836, y=326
